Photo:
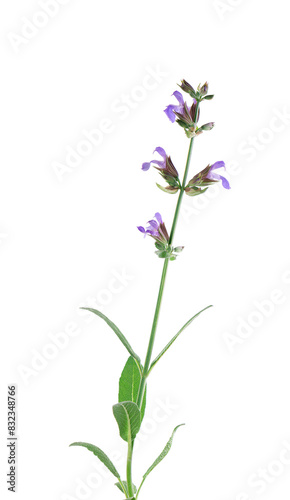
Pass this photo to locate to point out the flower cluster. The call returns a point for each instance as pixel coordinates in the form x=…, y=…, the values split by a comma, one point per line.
x=157, y=230
x=205, y=178
x=166, y=169
x=187, y=116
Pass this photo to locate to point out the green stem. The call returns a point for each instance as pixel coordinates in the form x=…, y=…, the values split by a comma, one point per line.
x=129, y=468
x=157, y=309
x=163, y=276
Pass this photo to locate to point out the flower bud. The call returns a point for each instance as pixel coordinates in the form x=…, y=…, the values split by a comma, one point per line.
x=206, y=126
x=186, y=87
x=203, y=90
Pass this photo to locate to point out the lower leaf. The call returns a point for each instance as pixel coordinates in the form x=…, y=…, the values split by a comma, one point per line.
x=101, y=456
x=160, y=457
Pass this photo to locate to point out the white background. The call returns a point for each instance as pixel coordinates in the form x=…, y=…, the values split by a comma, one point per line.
x=65, y=237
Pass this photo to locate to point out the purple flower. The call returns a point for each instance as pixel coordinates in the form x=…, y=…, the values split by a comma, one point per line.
x=217, y=177
x=205, y=178
x=156, y=229
x=161, y=164
x=172, y=108
x=186, y=117
x=165, y=166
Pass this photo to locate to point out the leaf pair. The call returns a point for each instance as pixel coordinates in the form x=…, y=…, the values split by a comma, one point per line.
x=122, y=485
x=125, y=342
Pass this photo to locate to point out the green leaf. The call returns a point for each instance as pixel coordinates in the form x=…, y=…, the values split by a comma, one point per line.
x=159, y=245
x=129, y=384
x=160, y=457
x=194, y=191
x=162, y=254
x=101, y=456
x=128, y=418
x=125, y=484
x=117, y=332
x=175, y=337
x=166, y=189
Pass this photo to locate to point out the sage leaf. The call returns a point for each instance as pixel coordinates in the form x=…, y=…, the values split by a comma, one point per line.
x=129, y=384
x=119, y=334
x=101, y=456
x=160, y=457
x=175, y=337
x=128, y=418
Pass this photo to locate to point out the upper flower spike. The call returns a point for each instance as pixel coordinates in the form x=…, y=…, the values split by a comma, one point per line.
x=185, y=116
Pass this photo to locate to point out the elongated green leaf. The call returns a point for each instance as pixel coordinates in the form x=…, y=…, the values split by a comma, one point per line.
x=117, y=332
x=175, y=337
x=128, y=418
x=160, y=457
x=126, y=487
x=129, y=384
x=101, y=456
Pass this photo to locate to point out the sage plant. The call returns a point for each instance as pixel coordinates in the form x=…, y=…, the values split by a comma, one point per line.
x=130, y=409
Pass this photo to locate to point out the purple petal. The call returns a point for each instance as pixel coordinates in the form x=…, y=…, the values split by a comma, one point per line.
x=169, y=112
x=146, y=166
x=158, y=217
x=225, y=182
x=159, y=163
x=213, y=176
x=153, y=224
x=141, y=229
x=179, y=97
x=218, y=164
x=161, y=151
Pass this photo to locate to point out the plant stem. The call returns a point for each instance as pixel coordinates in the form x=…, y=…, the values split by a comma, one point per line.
x=129, y=468
x=163, y=276
x=157, y=308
